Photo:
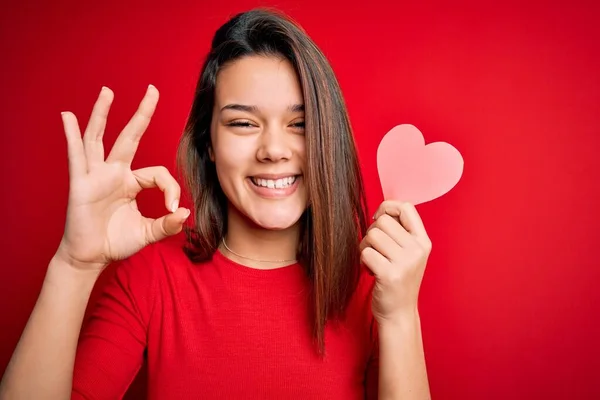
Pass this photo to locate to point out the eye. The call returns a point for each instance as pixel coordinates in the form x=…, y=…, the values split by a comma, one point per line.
x=298, y=125
x=242, y=124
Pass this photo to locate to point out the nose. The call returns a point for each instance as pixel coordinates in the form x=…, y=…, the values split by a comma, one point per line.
x=273, y=146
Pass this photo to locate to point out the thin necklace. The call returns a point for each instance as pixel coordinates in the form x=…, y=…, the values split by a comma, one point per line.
x=254, y=259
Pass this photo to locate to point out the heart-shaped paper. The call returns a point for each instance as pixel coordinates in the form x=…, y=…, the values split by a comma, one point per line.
x=414, y=172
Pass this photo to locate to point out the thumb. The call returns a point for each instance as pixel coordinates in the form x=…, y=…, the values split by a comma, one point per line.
x=167, y=225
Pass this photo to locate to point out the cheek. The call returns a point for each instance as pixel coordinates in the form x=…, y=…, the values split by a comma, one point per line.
x=232, y=161
x=229, y=177
x=226, y=166
x=223, y=155
x=300, y=150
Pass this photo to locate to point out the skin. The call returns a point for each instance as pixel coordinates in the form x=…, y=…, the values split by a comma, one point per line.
x=270, y=140
x=103, y=224
x=396, y=249
x=266, y=140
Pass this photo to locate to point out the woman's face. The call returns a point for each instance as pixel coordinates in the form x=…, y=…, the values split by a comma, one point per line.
x=258, y=142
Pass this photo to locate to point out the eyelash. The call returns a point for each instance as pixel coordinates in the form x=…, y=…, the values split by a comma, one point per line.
x=246, y=124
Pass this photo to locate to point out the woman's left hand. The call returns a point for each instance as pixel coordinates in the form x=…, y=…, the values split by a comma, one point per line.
x=396, y=248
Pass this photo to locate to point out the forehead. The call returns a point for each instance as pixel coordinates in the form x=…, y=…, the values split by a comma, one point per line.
x=266, y=82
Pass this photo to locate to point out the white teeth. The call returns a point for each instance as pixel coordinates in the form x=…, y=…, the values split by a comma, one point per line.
x=275, y=184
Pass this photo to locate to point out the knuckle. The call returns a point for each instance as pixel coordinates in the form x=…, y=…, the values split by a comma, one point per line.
x=374, y=233
x=166, y=227
x=364, y=253
x=425, y=244
x=420, y=252
x=428, y=245
x=144, y=113
x=384, y=220
x=423, y=249
x=387, y=203
x=382, y=207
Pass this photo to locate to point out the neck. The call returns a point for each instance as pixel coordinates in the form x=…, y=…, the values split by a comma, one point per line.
x=255, y=247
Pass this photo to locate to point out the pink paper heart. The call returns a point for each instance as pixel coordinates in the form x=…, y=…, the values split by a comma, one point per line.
x=414, y=172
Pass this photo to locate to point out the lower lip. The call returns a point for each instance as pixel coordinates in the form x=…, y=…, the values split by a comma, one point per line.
x=274, y=193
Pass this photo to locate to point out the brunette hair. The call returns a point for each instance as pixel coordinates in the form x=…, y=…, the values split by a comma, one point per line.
x=335, y=220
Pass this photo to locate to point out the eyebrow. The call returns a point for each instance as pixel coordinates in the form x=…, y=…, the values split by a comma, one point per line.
x=254, y=109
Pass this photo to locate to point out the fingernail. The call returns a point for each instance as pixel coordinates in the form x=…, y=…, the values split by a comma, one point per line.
x=187, y=214
x=174, y=205
x=103, y=88
x=151, y=86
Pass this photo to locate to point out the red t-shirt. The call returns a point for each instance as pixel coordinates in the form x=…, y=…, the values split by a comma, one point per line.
x=220, y=330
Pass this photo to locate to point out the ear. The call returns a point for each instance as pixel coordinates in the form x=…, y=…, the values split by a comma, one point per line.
x=211, y=154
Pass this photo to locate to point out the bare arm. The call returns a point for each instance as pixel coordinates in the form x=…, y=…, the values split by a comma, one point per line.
x=396, y=249
x=402, y=370
x=42, y=364
x=103, y=225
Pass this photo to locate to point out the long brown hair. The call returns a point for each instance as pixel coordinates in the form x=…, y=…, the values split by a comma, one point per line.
x=335, y=220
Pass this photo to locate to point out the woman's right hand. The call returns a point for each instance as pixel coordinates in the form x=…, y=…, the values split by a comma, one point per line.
x=103, y=222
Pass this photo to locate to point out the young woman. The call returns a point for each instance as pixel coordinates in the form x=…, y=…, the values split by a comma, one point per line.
x=276, y=290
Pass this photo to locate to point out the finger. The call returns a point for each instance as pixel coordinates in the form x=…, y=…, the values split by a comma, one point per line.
x=392, y=227
x=374, y=261
x=94, y=132
x=167, y=225
x=411, y=220
x=75, y=150
x=151, y=177
x=407, y=215
x=389, y=207
x=127, y=143
x=383, y=244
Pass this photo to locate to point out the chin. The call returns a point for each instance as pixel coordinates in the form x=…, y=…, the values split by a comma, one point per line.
x=276, y=219
x=275, y=224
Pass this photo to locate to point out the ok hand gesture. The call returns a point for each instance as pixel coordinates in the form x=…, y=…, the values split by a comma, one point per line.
x=103, y=222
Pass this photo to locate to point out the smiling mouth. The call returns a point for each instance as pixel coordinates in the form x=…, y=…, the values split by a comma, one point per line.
x=281, y=183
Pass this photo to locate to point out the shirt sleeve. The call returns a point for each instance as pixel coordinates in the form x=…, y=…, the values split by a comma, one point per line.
x=113, y=339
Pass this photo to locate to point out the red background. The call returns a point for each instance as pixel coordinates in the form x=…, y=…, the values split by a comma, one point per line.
x=509, y=301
